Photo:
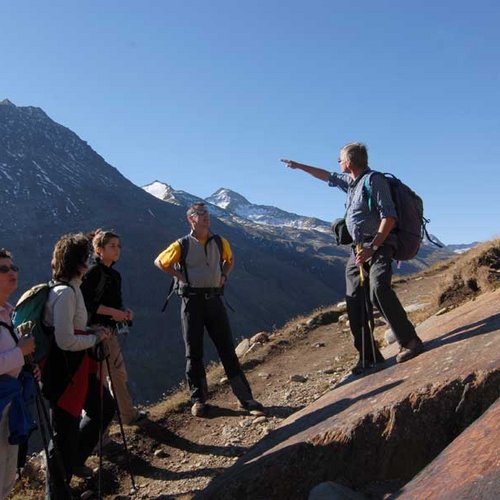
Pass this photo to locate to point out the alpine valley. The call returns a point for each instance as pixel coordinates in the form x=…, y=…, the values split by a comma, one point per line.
x=55, y=183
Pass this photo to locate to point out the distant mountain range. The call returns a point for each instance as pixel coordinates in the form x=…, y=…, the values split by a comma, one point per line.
x=229, y=205
x=461, y=248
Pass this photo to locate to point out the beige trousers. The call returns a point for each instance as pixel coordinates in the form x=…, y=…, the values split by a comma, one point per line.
x=8, y=457
x=119, y=377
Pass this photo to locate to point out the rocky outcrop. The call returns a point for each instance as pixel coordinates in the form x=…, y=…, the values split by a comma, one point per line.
x=384, y=427
x=468, y=468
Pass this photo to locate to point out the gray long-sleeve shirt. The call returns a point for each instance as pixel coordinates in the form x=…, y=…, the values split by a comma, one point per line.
x=363, y=223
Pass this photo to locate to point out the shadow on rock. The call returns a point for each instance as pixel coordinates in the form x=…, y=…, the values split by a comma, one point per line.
x=310, y=420
x=281, y=411
x=487, y=325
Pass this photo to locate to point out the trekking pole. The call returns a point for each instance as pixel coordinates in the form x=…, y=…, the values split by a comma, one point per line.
x=101, y=418
x=44, y=421
x=43, y=430
x=367, y=312
x=120, y=422
x=47, y=431
x=371, y=323
x=363, y=311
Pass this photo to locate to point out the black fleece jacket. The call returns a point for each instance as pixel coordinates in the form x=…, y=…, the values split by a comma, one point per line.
x=102, y=285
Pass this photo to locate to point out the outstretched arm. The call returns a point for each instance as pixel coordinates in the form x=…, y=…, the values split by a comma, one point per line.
x=319, y=173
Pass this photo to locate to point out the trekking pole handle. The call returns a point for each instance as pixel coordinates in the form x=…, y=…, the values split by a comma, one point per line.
x=359, y=246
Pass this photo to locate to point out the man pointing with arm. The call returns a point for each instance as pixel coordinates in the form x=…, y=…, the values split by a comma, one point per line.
x=370, y=229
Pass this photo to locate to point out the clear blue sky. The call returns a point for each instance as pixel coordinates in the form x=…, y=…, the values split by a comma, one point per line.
x=209, y=94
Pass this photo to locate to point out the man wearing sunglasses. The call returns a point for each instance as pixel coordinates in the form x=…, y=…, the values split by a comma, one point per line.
x=201, y=263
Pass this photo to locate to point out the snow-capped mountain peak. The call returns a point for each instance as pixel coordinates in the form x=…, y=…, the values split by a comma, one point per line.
x=264, y=214
x=167, y=193
x=228, y=199
x=162, y=191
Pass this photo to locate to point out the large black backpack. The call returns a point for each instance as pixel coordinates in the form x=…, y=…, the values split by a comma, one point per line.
x=410, y=226
x=181, y=265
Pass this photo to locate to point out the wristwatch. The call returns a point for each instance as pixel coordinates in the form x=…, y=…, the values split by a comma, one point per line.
x=374, y=247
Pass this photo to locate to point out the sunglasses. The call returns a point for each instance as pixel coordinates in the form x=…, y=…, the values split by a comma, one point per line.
x=5, y=269
x=201, y=211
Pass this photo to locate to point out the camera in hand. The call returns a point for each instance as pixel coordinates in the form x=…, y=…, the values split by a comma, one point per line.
x=122, y=327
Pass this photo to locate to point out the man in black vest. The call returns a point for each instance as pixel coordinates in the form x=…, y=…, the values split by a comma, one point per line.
x=202, y=273
x=373, y=250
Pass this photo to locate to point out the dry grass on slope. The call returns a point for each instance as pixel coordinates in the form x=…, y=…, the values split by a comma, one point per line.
x=474, y=272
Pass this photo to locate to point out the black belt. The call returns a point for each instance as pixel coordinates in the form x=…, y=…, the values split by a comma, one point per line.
x=207, y=293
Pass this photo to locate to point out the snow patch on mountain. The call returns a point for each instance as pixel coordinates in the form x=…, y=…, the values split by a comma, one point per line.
x=463, y=247
x=178, y=197
x=264, y=214
x=232, y=206
x=162, y=191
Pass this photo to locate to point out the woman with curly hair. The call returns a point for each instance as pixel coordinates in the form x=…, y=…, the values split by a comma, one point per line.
x=69, y=375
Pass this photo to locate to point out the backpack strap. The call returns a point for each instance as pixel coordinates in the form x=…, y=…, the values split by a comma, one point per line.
x=11, y=330
x=368, y=188
x=184, y=244
x=427, y=235
x=181, y=265
x=218, y=240
x=54, y=283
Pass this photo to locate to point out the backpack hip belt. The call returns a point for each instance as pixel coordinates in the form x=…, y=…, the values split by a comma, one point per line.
x=207, y=293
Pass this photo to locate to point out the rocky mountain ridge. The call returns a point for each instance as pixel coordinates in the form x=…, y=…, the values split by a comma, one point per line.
x=227, y=203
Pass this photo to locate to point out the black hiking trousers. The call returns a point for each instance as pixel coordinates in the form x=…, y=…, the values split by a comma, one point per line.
x=199, y=311
x=378, y=276
x=76, y=437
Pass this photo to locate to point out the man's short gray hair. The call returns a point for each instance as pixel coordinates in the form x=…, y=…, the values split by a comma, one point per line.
x=356, y=153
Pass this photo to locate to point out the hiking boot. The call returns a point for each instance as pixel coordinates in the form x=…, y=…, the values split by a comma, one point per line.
x=253, y=407
x=414, y=348
x=358, y=368
x=199, y=410
x=83, y=471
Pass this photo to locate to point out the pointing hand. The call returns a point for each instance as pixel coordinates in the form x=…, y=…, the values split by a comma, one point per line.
x=290, y=163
